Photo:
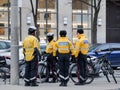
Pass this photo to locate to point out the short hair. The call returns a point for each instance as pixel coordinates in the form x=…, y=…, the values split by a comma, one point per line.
x=80, y=31
x=63, y=33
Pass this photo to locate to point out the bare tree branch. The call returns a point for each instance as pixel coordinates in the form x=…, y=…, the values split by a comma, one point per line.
x=95, y=3
x=98, y=6
x=87, y=3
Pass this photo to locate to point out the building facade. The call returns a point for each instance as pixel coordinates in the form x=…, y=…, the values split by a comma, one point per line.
x=55, y=15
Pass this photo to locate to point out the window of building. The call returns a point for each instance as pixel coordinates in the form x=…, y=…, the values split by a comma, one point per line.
x=3, y=19
x=47, y=17
x=81, y=15
x=2, y=30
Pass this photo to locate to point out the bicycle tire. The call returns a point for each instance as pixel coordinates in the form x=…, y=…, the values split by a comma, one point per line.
x=105, y=72
x=74, y=73
x=89, y=74
x=43, y=73
x=111, y=72
x=57, y=72
x=3, y=75
x=22, y=71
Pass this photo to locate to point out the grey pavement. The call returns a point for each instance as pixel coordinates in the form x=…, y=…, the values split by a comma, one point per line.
x=99, y=83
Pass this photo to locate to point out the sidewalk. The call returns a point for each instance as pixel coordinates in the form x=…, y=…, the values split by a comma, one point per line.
x=98, y=84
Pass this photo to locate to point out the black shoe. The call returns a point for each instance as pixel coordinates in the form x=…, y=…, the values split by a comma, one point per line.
x=65, y=84
x=34, y=84
x=27, y=84
x=47, y=80
x=62, y=84
x=78, y=83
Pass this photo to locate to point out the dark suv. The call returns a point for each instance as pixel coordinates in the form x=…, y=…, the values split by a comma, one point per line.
x=114, y=57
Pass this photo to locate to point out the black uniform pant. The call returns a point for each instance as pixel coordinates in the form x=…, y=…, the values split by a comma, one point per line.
x=51, y=65
x=63, y=62
x=31, y=70
x=81, y=67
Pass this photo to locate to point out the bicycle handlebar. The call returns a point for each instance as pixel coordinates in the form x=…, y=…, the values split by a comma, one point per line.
x=104, y=55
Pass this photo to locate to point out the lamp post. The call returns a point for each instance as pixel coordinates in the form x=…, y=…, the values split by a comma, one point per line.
x=20, y=17
x=46, y=16
x=9, y=29
x=14, y=77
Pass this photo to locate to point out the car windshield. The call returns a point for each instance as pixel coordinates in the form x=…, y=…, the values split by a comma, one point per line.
x=93, y=46
x=4, y=45
x=42, y=48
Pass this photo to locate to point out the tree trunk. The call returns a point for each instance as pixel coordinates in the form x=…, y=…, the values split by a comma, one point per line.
x=94, y=29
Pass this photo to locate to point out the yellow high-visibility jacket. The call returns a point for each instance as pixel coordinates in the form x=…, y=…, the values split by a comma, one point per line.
x=63, y=45
x=29, y=44
x=49, y=47
x=81, y=45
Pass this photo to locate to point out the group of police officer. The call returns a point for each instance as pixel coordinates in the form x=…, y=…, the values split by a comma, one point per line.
x=62, y=48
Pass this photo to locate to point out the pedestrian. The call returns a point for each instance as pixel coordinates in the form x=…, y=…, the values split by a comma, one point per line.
x=81, y=50
x=31, y=52
x=51, y=61
x=63, y=46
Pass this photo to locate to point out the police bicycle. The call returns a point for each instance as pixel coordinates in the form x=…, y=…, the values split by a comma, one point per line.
x=4, y=69
x=102, y=63
x=43, y=71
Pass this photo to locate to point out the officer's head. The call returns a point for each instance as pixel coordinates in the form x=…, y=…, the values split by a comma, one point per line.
x=63, y=33
x=80, y=31
x=50, y=36
x=31, y=30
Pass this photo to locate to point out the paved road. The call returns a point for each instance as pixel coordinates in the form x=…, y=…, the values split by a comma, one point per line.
x=99, y=83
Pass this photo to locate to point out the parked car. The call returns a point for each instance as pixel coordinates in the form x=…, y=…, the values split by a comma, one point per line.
x=4, y=45
x=101, y=49
x=42, y=47
x=7, y=54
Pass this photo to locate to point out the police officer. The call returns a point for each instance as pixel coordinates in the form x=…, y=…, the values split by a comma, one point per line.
x=31, y=52
x=50, y=59
x=64, y=48
x=81, y=50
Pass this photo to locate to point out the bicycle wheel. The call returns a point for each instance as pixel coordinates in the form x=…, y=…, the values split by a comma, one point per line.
x=111, y=72
x=89, y=74
x=57, y=72
x=22, y=71
x=74, y=74
x=105, y=72
x=3, y=75
x=43, y=73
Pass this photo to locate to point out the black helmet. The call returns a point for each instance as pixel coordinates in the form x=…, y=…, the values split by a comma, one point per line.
x=63, y=33
x=32, y=29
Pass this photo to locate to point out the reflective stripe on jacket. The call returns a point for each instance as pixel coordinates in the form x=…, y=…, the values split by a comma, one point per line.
x=29, y=44
x=81, y=45
x=63, y=45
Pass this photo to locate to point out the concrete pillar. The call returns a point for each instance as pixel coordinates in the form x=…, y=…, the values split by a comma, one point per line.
x=14, y=75
x=65, y=16
x=101, y=33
